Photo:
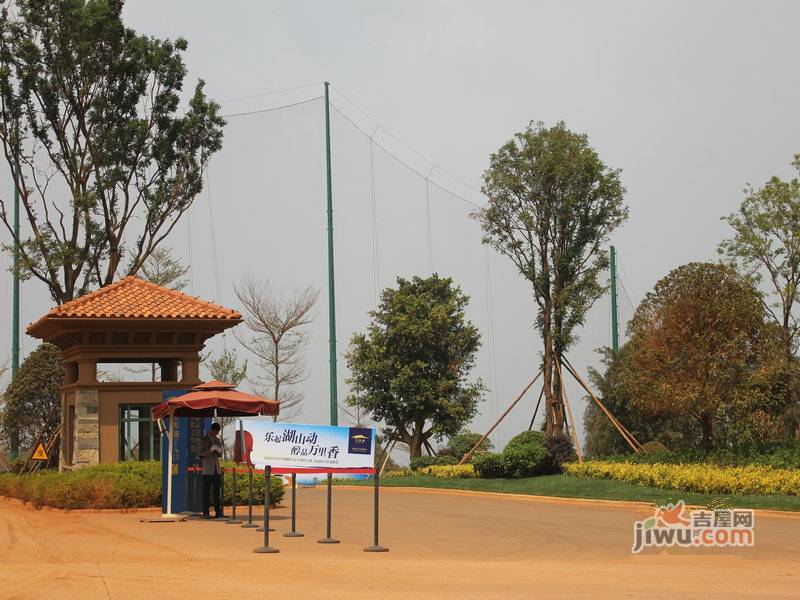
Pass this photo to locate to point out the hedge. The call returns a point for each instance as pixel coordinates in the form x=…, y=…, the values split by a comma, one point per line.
x=420, y=462
x=702, y=478
x=450, y=471
x=785, y=456
x=129, y=484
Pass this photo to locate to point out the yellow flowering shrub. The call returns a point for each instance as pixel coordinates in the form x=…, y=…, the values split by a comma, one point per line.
x=449, y=471
x=703, y=478
x=398, y=473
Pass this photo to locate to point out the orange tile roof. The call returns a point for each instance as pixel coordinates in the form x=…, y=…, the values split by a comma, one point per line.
x=135, y=298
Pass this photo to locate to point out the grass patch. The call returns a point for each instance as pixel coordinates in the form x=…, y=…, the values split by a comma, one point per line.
x=565, y=486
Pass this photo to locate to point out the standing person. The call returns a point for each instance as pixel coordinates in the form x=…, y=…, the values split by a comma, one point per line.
x=210, y=451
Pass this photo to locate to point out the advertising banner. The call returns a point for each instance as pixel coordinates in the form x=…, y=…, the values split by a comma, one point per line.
x=299, y=448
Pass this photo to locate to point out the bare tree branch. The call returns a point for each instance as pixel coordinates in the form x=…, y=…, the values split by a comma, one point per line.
x=277, y=337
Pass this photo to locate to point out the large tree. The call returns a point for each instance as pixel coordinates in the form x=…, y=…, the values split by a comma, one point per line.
x=91, y=131
x=700, y=347
x=31, y=401
x=410, y=370
x=766, y=244
x=552, y=204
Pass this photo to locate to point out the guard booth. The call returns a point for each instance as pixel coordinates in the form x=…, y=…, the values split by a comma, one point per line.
x=105, y=410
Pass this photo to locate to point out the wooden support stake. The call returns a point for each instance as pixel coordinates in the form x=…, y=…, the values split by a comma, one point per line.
x=386, y=458
x=565, y=399
x=469, y=454
x=536, y=410
x=626, y=435
x=429, y=448
x=624, y=432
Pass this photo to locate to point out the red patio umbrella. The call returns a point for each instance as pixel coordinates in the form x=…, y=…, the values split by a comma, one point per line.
x=213, y=398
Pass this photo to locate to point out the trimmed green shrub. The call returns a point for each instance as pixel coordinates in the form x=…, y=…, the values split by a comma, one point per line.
x=526, y=438
x=122, y=485
x=420, y=462
x=489, y=465
x=525, y=460
x=129, y=484
x=527, y=454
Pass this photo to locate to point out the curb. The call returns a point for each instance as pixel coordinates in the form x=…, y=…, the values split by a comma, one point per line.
x=764, y=512
x=44, y=508
x=99, y=511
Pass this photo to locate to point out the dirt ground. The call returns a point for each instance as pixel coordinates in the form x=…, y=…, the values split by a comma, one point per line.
x=442, y=545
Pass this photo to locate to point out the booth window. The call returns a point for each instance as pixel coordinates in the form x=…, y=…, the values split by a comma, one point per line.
x=139, y=438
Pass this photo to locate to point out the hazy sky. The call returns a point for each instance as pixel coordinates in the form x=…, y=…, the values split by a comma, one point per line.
x=692, y=100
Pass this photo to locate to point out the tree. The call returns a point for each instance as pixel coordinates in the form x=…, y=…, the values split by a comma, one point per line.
x=552, y=204
x=700, y=345
x=674, y=431
x=278, y=338
x=32, y=399
x=766, y=242
x=90, y=129
x=165, y=270
x=226, y=367
x=410, y=369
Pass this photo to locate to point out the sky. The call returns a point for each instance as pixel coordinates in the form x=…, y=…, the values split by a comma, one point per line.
x=691, y=100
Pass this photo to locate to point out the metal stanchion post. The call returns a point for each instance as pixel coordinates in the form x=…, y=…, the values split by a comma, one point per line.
x=293, y=532
x=328, y=539
x=376, y=547
x=249, y=499
x=266, y=548
x=233, y=518
x=266, y=508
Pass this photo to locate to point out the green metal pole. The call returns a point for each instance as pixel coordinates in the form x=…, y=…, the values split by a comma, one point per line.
x=15, y=293
x=331, y=291
x=614, y=327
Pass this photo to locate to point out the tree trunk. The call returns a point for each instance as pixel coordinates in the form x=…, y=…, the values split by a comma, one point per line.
x=277, y=374
x=707, y=425
x=547, y=379
x=416, y=440
x=791, y=392
x=13, y=442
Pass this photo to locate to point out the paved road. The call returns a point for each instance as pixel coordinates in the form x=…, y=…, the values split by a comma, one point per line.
x=443, y=545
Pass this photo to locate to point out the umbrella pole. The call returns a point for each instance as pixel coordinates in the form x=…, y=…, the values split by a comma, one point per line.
x=169, y=464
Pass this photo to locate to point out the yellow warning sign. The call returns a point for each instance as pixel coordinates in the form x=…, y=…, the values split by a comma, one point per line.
x=40, y=453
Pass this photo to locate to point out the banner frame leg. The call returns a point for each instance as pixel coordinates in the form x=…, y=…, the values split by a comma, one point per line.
x=266, y=548
x=294, y=533
x=328, y=539
x=375, y=547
